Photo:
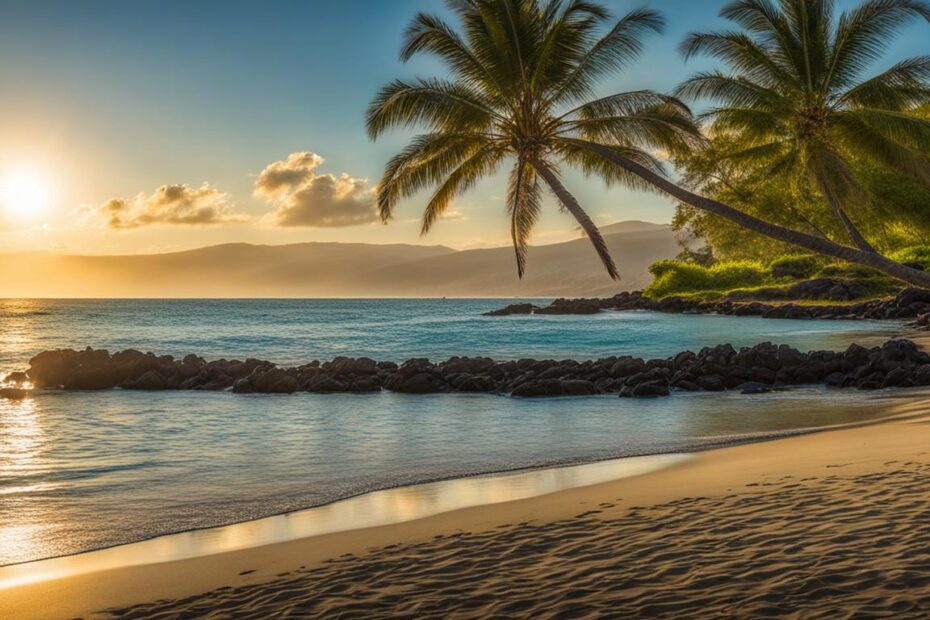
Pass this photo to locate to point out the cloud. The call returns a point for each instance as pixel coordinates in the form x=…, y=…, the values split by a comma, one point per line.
x=453, y=214
x=286, y=175
x=178, y=204
x=305, y=198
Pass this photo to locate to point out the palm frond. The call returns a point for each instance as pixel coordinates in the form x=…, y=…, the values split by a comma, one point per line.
x=551, y=177
x=863, y=35
x=733, y=90
x=901, y=87
x=622, y=44
x=482, y=163
x=424, y=162
x=438, y=104
x=868, y=140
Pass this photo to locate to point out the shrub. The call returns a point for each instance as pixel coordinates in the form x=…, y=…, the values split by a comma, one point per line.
x=675, y=277
x=797, y=266
x=919, y=254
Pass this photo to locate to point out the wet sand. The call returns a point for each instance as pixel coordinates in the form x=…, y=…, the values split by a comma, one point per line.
x=831, y=524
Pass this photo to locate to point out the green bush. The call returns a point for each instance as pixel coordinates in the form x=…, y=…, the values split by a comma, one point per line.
x=797, y=266
x=674, y=277
x=913, y=254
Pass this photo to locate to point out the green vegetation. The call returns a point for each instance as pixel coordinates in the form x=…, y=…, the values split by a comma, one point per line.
x=919, y=254
x=744, y=280
x=674, y=277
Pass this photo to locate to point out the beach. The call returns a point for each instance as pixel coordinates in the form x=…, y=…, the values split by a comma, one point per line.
x=828, y=524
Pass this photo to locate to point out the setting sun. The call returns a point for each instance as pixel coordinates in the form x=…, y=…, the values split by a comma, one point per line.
x=24, y=192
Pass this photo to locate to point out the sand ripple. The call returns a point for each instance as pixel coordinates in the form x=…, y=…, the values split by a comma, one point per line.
x=828, y=547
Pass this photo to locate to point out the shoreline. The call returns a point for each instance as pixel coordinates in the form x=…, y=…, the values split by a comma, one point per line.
x=88, y=593
x=709, y=443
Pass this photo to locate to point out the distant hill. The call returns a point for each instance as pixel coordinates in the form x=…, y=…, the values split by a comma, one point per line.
x=343, y=270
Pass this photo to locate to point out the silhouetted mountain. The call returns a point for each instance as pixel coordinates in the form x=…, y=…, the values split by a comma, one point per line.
x=343, y=270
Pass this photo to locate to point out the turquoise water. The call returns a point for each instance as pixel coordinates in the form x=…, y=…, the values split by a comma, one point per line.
x=296, y=331
x=80, y=471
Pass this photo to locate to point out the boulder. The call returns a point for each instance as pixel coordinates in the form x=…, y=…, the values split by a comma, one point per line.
x=419, y=383
x=323, y=384
x=151, y=380
x=751, y=387
x=273, y=381
x=577, y=387
x=648, y=389
x=89, y=379
x=523, y=308
x=16, y=378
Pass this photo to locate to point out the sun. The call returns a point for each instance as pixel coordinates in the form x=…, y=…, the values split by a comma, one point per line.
x=24, y=192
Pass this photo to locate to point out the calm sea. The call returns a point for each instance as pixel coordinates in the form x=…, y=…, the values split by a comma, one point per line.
x=80, y=471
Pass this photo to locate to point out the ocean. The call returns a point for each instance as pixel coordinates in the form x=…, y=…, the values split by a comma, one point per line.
x=81, y=471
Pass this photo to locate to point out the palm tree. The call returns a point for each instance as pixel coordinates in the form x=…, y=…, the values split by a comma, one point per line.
x=523, y=76
x=795, y=101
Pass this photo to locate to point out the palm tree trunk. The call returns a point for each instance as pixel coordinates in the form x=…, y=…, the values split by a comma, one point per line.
x=571, y=204
x=815, y=244
x=854, y=235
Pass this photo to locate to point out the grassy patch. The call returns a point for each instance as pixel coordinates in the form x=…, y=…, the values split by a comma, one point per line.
x=747, y=280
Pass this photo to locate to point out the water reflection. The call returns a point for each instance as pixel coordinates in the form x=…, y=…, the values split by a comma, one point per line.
x=372, y=509
x=21, y=440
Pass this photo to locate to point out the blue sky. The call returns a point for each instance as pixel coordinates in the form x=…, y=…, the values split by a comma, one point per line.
x=108, y=99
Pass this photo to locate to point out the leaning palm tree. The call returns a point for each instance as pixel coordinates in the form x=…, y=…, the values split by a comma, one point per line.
x=523, y=74
x=795, y=100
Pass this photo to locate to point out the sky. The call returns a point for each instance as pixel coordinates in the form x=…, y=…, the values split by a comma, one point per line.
x=143, y=126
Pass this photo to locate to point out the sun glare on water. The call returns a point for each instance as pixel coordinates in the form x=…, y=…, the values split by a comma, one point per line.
x=24, y=192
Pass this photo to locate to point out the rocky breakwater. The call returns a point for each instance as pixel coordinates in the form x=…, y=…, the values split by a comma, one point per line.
x=897, y=363
x=908, y=304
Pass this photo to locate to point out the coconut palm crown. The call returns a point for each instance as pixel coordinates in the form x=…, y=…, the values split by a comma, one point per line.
x=795, y=98
x=521, y=92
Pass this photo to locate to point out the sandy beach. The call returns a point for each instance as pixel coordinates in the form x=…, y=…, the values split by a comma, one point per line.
x=830, y=524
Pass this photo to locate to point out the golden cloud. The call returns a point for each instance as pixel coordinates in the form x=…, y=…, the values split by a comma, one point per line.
x=305, y=198
x=178, y=204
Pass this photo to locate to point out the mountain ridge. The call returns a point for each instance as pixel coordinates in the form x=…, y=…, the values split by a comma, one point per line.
x=334, y=269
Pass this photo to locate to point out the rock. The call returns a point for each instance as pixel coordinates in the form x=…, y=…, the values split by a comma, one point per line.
x=364, y=384
x=835, y=379
x=626, y=366
x=16, y=378
x=897, y=377
x=243, y=386
x=524, y=308
x=89, y=379
x=577, y=387
x=470, y=365
x=571, y=306
x=531, y=389
x=922, y=375
x=712, y=383
x=273, y=381
x=151, y=380
x=323, y=384
x=14, y=393
x=751, y=387
x=648, y=389
x=465, y=382
x=419, y=383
